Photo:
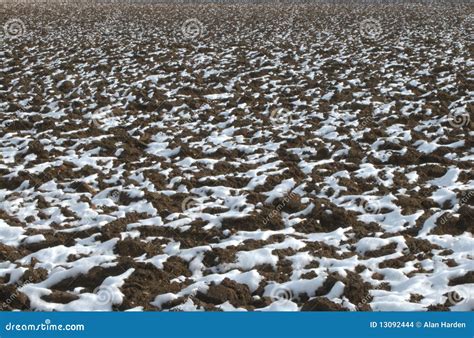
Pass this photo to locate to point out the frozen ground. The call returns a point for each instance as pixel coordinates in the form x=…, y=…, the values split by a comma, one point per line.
x=236, y=158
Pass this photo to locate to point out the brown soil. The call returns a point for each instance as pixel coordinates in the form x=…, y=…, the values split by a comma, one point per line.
x=174, y=106
x=236, y=294
x=321, y=304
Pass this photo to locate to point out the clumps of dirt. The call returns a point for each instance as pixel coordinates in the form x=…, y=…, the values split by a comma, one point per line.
x=281, y=274
x=140, y=288
x=321, y=304
x=438, y=307
x=415, y=298
x=228, y=290
x=321, y=249
x=93, y=278
x=134, y=248
x=12, y=221
x=309, y=275
x=289, y=204
x=383, y=251
x=447, y=224
x=431, y=171
x=409, y=205
x=66, y=86
x=328, y=284
x=173, y=303
x=218, y=256
x=355, y=289
x=125, y=198
x=326, y=217
x=12, y=299
x=466, y=217
x=129, y=247
x=35, y=147
x=33, y=275
x=8, y=253
x=194, y=236
x=330, y=139
x=83, y=187
x=468, y=278
x=322, y=153
x=60, y=297
x=396, y=263
x=55, y=238
x=378, y=276
x=176, y=267
x=167, y=205
x=268, y=219
x=146, y=282
x=422, y=248
x=352, y=186
x=114, y=228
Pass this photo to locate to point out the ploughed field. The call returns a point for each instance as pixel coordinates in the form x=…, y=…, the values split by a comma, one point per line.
x=236, y=157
